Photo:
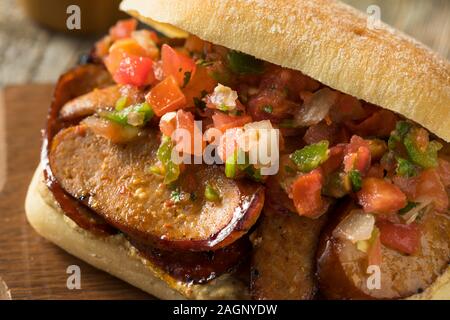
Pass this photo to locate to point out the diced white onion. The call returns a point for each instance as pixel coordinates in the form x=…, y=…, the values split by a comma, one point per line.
x=412, y=214
x=315, y=110
x=224, y=97
x=357, y=226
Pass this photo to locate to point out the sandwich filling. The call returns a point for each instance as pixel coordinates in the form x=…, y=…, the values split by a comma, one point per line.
x=161, y=147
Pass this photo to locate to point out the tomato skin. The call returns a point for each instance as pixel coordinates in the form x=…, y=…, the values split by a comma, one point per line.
x=201, y=82
x=176, y=64
x=185, y=124
x=444, y=172
x=229, y=143
x=306, y=193
x=335, y=158
x=430, y=186
x=123, y=29
x=375, y=257
x=168, y=123
x=357, y=155
x=135, y=70
x=401, y=237
x=166, y=96
x=381, y=197
x=223, y=122
x=379, y=124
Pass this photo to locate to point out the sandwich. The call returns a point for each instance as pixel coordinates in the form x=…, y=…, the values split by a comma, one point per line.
x=353, y=202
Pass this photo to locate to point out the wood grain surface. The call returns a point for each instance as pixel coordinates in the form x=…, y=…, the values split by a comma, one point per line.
x=31, y=267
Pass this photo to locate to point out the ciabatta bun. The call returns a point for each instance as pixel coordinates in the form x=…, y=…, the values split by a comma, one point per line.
x=326, y=40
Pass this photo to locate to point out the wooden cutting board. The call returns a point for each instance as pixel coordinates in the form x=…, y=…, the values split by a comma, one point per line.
x=30, y=266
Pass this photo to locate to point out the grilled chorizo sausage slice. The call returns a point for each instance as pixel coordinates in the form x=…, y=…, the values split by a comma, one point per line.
x=115, y=181
x=342, y=268
x=283, y=263
x=100, y=99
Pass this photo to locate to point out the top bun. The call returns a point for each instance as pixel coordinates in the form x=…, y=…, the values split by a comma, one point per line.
x=326, y=40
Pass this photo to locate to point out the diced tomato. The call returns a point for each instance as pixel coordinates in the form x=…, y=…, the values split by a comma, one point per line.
x=175, y=64
x=168, y=123
x=194, y=44
x=166, y=96
x=146, y=39
x=335, y=158
x=358, y=155
x=379, y=124
x=271, y=105
x=347, y=108
x=430, y=187
x=135, y=70
x=407, y=185
x=224, y=121
x=401, y=237
x=306, y=193
x=374, y=254
x=123, y=29
x=229, y=143
x=102, y=47
x=380, y=196
x=376, y=171
x=290, y=82
x=444, y=172
x=200, y=83
x=188, y=137
x=320, y=132
x=120, y=49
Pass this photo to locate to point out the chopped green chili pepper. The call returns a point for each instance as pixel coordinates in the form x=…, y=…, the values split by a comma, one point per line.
x=187, y=78
x=310, y=157
x=231, y=167
x=199, y=103
x=399, y=133
x=121, y=103
x=242, y=63
x=135, y=115
x=268, y=108
x=405, y=168
x=176, y=196
x=338, y=185
x=164, y=155
x=426, y=159
x=211, y=194
x=356, y=179
x=287, y=124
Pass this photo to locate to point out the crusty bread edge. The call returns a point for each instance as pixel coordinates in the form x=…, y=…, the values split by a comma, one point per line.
x=326, y=40
x=114, y=254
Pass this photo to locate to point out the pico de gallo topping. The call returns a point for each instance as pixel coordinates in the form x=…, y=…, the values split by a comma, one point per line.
x=333, y=145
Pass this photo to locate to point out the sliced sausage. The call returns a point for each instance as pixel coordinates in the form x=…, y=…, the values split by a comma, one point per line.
x=342, y=268
x=197, y=267
x=100, y=99
x=283, y=263
x=75, y=82
x=115, y=181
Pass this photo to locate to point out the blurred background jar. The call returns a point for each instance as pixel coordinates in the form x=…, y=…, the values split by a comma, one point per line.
x=96, y=16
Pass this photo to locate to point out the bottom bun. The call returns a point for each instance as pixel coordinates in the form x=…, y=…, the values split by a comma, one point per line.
x=114, y=254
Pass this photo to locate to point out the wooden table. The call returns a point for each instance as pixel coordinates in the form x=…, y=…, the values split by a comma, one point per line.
x=30, y=266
